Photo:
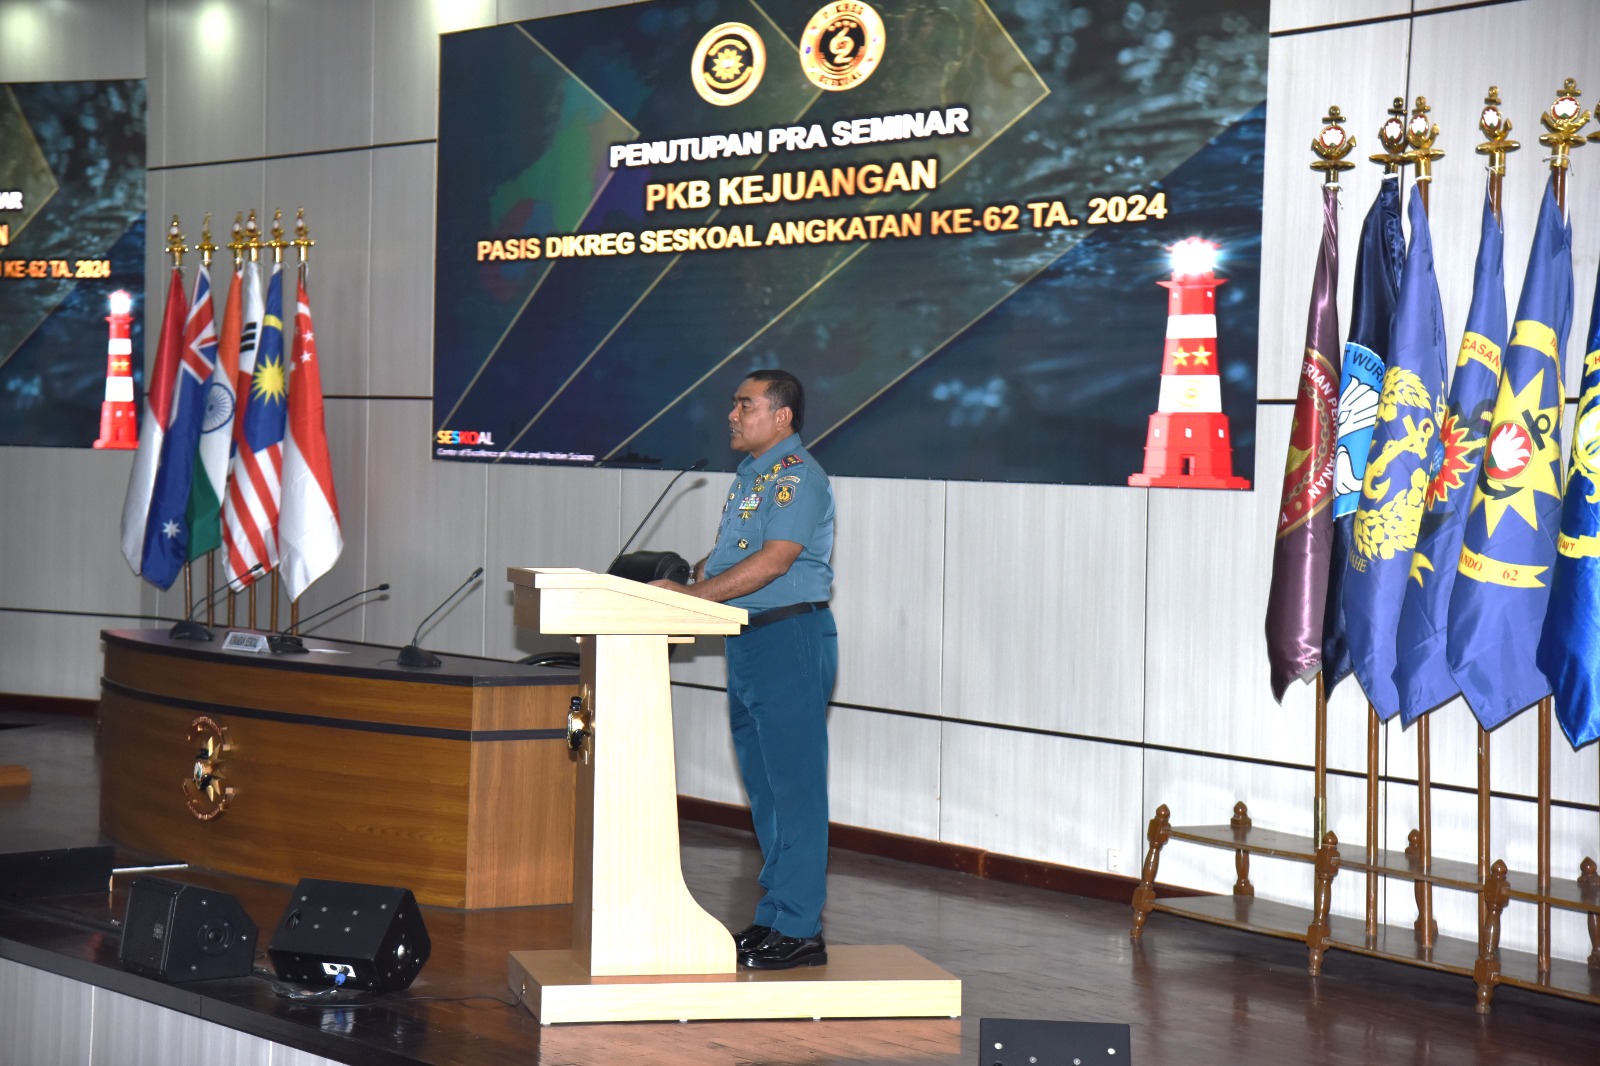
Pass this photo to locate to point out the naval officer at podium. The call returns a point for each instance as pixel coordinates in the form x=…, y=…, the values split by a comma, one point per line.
x=771, y=558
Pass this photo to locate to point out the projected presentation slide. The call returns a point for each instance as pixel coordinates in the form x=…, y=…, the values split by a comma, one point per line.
x=954, y=221
x=72, y=205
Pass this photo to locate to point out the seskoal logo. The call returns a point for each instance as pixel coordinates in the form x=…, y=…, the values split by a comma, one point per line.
x=463, y=436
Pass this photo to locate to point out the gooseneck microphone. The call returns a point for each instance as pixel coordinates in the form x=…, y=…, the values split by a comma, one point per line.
x=290, y=643
x=189, y=629
x=411, y=654
x=652, y=566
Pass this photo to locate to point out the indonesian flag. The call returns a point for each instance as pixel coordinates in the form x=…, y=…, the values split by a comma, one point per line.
x=250, y=511
x=153, y=429
x=308, y=527
x=216, y=437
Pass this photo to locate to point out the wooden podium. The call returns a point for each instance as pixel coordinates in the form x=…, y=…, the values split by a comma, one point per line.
x=642, y=948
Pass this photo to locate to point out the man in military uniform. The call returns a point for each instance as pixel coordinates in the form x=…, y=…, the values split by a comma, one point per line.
x=771, y=558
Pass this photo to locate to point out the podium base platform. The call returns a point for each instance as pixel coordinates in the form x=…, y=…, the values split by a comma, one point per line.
x=879, y=981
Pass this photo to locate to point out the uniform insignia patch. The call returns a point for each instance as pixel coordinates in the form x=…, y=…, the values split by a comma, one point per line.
x=743, y=543
x=790, y=460
x=784, y=495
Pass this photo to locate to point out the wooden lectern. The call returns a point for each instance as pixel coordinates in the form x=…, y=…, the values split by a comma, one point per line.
x=642, y=948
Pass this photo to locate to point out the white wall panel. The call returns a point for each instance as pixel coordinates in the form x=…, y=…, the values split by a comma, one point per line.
x=1361, y=69
x=1529, y=68
x=1210, y=564
x=54, y=654
x=541, y=516
x=1048, y=798
x=405, y=72
x=41, y=1016
x=71, y=40
x=425, y=533
x=883, y=771
x=336, y=192
x=1043, y=595
x=1304, y=14
x=73, y=511
x=888, y=562
x=706, y=765
x=209, y=103
x=399, y=269
x=319, y=75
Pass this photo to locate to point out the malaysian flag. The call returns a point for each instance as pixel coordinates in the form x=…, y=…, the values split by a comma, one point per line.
x=250, y=513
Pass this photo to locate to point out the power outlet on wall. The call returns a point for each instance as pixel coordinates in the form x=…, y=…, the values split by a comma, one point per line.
x=1114, y=861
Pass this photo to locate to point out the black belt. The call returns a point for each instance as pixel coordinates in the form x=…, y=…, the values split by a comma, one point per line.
x=778, y=614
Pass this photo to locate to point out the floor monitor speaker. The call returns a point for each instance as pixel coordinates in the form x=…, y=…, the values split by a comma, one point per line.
x=175, y=933
x=347, y=935
x=1028, y=1042
x=62, y=872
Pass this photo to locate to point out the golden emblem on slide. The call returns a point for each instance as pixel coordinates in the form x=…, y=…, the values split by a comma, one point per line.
x=842, y=45
x=728, y=64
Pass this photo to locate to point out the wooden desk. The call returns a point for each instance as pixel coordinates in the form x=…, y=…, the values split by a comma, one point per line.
x=455, y=783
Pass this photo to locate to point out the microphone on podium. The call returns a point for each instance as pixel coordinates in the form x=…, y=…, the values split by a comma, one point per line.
x=411, y=654
x=189, y=629
x=653, y=566
x=285, y=642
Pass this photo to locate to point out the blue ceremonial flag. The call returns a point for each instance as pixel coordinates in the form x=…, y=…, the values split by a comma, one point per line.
x=1569, y=647
x=166, y=531
x=1422, y=671
x=1509, y=544
x=1377, y=288
x=1394, y=488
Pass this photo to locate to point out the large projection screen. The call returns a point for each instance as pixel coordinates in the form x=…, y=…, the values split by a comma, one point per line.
x=950, y=219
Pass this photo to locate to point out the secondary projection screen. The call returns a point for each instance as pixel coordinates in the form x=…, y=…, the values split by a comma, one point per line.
x=950, y=219
x=72, y=228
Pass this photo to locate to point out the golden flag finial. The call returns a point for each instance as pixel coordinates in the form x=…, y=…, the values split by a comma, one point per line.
x=302, y=234
x=1496, y=126
x=1392, y=134
x=277, y=244
x=252, y=236
x=175, y=245
x=1564, y=119
x=1421, y=132
x=1331, y=145
x=205, y=246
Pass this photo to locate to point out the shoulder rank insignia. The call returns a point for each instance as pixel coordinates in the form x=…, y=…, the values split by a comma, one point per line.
x=790, y=460
x=784, y=496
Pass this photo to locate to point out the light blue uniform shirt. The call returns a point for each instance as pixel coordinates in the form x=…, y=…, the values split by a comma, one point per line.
x=781, y=494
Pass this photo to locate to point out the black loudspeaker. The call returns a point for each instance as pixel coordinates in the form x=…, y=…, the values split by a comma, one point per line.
x=651, y=566
x=63, y=872
x=350, y=936
x=1021, y=1042
x=178, y=933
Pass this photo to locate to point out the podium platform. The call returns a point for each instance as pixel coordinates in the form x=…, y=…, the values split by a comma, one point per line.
x=642, y=948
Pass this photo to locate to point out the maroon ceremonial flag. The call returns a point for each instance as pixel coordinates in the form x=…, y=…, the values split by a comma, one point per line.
x=1302, y=554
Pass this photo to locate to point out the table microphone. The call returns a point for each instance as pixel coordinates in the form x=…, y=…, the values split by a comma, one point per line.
x=411, y=655
x=652, y=566
x=290, y=643
x=189, y=629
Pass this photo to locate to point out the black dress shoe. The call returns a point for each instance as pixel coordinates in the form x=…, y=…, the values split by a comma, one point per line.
x=751, y=936
x=779, y=952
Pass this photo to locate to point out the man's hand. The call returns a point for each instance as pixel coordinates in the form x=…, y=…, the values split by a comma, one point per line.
x=769, y=562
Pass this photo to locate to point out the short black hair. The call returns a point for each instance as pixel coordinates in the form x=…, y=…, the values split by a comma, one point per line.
x=783, y=390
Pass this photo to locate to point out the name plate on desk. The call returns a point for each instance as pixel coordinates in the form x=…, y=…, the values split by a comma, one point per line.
x=236, y=641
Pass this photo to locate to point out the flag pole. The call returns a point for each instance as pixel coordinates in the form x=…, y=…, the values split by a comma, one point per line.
x=1564, y=119
x=205, y=248
x=1331, y=146
x=176, y=248
x=1392, y=135
x=1496, y=126
x=252, y=234
x=302, y=243
x=237, y=246
x=1421, y=132
x=277, y=244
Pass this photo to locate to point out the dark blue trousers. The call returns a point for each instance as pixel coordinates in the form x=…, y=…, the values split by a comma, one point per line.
x=780, y=678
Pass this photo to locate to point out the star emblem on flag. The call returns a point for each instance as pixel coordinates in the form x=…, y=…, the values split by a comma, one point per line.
x=1522, y=458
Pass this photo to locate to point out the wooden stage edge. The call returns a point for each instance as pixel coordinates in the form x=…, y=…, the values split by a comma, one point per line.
x=878, y=981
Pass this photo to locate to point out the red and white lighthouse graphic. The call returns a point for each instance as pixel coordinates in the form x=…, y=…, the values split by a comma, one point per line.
x=119, y=418
x=1187, y=445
